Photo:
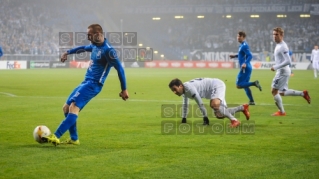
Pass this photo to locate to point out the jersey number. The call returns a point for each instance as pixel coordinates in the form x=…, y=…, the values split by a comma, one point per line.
x=197, y=79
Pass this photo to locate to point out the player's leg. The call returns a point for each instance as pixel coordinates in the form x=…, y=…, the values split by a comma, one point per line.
x=250, y=96
x=315, y=68
x=53, y=138
x=244, y=78
x=70, y=121
x=72, y=129
x=291, y=72
x=76, y=102
x=243, y=82
x=278, y=84
x=242, y=108
x=219, y=105
x=291, y=92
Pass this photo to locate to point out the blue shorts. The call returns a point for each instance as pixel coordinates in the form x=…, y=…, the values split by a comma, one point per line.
x=243, y=77
x=82, y=94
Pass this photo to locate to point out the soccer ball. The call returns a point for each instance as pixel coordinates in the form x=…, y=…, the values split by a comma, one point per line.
x=39, y=132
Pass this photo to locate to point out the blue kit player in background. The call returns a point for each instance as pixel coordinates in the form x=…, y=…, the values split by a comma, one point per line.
x=1, y=52
x=244, y=56
x=292, y=60
x=103, y=57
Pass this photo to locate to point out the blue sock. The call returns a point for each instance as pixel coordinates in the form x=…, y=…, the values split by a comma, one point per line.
x=72, y=130
x=249, y=95
x=246, y=84
x=69, y=121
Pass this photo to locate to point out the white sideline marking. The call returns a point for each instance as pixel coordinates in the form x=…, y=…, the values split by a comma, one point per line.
x=139, y=100
x=8, y=94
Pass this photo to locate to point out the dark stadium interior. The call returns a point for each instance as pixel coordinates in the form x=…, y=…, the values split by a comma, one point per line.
x=33, y=28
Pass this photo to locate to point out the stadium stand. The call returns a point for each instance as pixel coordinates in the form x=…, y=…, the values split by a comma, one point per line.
x=176, y=38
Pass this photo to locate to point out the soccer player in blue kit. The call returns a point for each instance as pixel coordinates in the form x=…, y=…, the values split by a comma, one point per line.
x=103, y=57
x=1, y=53
x=244, y=56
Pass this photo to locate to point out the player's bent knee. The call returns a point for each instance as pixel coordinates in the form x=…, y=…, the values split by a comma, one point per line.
x=65, y=108
x=274, y=92
x=74, y=109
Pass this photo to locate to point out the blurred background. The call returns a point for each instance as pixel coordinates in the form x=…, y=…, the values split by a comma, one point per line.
x=175, y=30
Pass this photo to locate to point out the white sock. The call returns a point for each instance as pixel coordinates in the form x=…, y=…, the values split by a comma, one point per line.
x=315, y=72
x=233, y=110
x=226, y=113
x=291, y=92
x=278, y=100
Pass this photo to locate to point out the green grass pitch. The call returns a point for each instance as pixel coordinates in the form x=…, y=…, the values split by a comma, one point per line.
x=124, y=139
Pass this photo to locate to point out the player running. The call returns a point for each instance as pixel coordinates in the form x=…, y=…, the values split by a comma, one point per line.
x=243, y=77
x=280, y=81
x=209, y=88
x=315, y=60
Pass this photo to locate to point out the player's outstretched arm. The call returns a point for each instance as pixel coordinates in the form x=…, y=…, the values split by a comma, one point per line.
x=64, y=57
x=76, y=50
x=233, y=56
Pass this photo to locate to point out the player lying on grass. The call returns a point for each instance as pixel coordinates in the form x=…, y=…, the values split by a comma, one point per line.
x=209, y=88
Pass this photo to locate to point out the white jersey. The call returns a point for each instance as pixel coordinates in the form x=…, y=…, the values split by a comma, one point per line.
x=315, y=59
x=315, y=55
x=282, y=59
x=199, y=88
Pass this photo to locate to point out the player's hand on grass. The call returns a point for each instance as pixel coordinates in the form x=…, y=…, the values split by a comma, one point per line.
x=206, y=121
x=124, y=95
x=64, y=57
x=272, y=69
x=184, y=120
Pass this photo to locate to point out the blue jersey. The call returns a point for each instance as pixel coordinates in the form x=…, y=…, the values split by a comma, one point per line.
x=1, y=53
x=103, y=57
x=290, y=53
x=244, y=55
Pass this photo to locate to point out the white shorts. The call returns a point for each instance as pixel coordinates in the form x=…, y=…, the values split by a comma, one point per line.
x=219, y=90
x=280, y=82
x=315, y=65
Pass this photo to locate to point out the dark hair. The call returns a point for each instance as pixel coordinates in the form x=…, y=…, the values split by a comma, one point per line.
x=175, y=82
x=242, y=34
x=96, y=28
x=279, y=30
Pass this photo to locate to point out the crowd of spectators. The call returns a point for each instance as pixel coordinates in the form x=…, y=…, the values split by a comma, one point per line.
x=139, y=3
x=219, y=34
x=23, y=29
x=32, y=28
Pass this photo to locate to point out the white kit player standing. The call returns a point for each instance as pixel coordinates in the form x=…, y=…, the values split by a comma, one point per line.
x=315, y=60
x=209, y=88
x=280, y=81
